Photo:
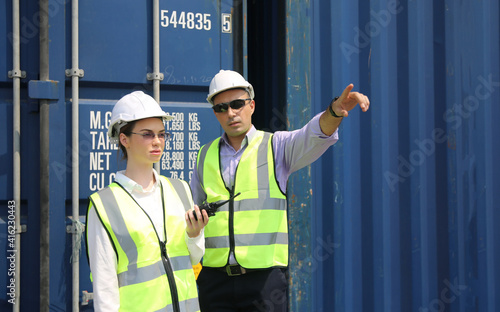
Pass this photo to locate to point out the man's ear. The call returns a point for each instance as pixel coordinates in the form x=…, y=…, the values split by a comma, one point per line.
x=252, y=106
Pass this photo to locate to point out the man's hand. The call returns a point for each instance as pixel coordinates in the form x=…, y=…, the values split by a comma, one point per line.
x=348, y=100
x=341, y=107
x=193, y=226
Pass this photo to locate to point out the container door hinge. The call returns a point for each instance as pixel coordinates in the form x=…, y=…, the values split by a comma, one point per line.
x=74, y=72
x=86, y=297
x=24, y=229
x=17, y=74
x=155, y=76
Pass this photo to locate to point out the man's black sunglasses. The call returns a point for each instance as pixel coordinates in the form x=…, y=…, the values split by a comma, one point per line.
x=234, y=104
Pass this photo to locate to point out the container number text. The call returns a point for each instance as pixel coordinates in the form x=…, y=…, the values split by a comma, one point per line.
x=189, y=20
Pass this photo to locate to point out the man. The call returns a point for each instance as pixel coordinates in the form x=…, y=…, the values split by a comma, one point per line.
x=246, y=241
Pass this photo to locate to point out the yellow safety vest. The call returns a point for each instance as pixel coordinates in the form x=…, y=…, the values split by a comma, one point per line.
x=253, y=225
x=152, y=276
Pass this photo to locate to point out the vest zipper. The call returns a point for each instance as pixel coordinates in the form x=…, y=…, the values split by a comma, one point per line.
x=170, y=277
x=231, y=210
x=231, y=226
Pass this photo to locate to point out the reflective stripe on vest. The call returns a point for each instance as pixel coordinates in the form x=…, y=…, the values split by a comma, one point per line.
x=258, y=215
x=143, y=283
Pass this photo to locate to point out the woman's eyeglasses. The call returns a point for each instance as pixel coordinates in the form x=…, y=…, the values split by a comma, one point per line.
x=151, y=135
x=234, y=104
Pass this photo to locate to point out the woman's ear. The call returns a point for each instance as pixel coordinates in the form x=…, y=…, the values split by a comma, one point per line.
x=124, y=140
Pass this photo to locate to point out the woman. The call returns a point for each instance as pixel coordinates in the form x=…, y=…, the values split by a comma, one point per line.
x=142, y=236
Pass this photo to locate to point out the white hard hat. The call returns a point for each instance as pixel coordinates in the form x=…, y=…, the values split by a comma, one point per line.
x=133, y=106
x=226, y=80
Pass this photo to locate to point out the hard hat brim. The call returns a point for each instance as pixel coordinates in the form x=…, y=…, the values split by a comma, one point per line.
x=113, y=131
x=247, y=88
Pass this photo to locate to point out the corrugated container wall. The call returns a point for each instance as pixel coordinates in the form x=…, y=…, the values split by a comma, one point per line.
x=402, y=212
x=398, y=216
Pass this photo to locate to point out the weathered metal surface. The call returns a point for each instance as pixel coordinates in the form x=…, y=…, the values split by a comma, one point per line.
x=408, y=196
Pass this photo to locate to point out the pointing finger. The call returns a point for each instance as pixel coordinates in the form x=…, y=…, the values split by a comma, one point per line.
x=346, y=91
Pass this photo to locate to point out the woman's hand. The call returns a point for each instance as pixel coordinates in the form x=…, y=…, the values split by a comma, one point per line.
x=195, y=226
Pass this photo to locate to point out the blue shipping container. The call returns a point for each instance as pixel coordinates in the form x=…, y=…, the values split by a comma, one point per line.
x=407, y=221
